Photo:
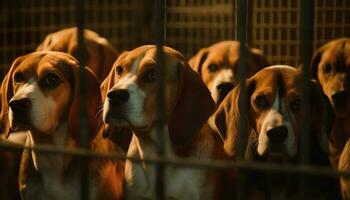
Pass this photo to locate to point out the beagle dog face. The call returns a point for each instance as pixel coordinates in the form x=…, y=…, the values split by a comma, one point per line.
x=100, y=53
x=275, y=111
x=40, y=92
x=274, y=99
x=131, y=87
x=331, y=68
x=131, y=101
x=218, y=68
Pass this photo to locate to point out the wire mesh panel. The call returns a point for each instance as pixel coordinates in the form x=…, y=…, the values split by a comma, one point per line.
x=194, y=24
x=332, y=20
x=275, y=28
x=190, y=25
x=24, y=24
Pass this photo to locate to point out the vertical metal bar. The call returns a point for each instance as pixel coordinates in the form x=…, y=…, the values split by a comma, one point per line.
x=242, y=102
x=160, y=12
x=84, y=132
x=5, y=62
x=242, y=11
x=306, y=35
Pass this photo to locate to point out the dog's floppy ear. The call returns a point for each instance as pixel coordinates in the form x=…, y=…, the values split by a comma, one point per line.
x=197, y=60
x=322, y=117
x=6, y=94
x=344, y=164
x=314, y=64
x=227, y=118
x=108, y=56
x=93, y=100
x=192, y=109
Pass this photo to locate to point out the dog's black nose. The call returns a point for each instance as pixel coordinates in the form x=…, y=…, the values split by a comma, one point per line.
x=277, y=134
x=20, y=104
x=225, y=87
x=339, y=98
x=118, y=97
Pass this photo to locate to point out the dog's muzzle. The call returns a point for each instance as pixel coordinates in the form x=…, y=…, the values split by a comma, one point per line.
x=223, y=89
x=339, y=100
x=118, y=97
x=20, y=109
x=277, y=136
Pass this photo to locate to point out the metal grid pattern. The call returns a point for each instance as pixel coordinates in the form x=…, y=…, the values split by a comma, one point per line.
x=24, y=24
x=191, y=24
x=275, y=27
x=332, y=20
x=104, y=24
x=194, y=24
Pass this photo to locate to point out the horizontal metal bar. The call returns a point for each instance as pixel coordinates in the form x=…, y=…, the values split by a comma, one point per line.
x=192, y=163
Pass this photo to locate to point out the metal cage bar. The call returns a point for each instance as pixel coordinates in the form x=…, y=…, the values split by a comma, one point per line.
x=12, y=48
x=242, y=27
x=83, y=130
x=160, y=24
x=306, y=35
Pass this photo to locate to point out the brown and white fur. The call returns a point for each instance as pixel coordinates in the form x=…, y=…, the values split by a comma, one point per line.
x=100, y=53
x=331, y=69
x=218, y=66
x=131, y=103
x=274, y=131
x=40, y=93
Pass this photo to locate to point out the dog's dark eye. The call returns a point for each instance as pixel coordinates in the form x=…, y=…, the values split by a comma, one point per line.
x=327, y=68
x=51, y=80
x=295, y=105
x=149, y=75
x=261, y=102
x=19, y=77
x=119, y=71
x=213, y=67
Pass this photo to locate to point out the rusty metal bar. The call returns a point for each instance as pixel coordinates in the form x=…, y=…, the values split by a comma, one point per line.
x=306, y=35
x=242, y=27
x=4, y=40
x=242, y=71
x=83, y=131
x=181, y=162
x=160, y=12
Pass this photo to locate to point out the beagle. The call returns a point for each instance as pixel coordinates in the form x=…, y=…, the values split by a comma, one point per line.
x=274, y=128
x=131, y=103
x=331, y=69
x=217, y=65
x=100, y=53
x=40, y=93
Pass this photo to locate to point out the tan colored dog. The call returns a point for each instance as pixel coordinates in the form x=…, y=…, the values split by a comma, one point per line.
x=131, y=103
x=40, y=93
x=331, y=69
x=274, y=131
x=218, y=68
x=101, y=54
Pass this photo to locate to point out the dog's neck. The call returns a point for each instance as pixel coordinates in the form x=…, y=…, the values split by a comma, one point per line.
x=185, y=182
x=141, y=176
x=53, y=164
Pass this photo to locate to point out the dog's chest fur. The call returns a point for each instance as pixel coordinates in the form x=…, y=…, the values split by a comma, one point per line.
x=50, y=176
x=181, y=183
